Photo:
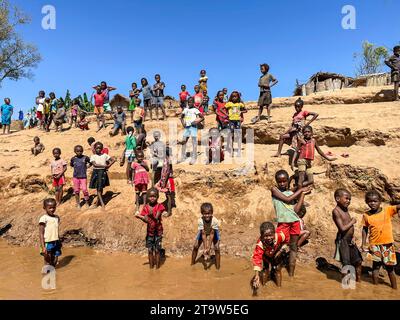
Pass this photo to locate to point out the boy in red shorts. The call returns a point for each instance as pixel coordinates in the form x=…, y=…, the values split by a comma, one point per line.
x=58, y=168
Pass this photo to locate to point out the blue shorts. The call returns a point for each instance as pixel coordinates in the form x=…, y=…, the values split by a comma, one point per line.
x=217, y=236
x=235, y=125
x=54, y=248
x=190, y=132
x=118, y=125
x=158, y=101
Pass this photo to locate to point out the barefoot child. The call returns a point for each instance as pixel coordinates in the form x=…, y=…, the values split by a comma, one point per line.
x=134, y=95
x=50, y=243
x=140, y=177
x=305, y=154
x=99, y=98
x=198, y=99
x=59, y=117
x=394, y=64
x=83, y=124
x=346, y=250
x=221, y=112
x=158, y=96
x=129, y=153
x=268, y=256
x=208, y=233
x=147, y=99
x=58, y=168
x=378, y=223
x=80, y=163
x=38, y=147
x=183, y=96
x=152, y=214
x=74, y=113
x=119, y=122
x=6, y=111
x=206, y=101
x=286, y=212
x=99, y=180
x=203, y=80
x=235, y=109
x=166, y=184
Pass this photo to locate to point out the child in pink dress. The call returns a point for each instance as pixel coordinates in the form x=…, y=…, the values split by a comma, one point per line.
x=140, y=177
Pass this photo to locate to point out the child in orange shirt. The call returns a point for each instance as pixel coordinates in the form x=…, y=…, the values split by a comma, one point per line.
x=378, y=223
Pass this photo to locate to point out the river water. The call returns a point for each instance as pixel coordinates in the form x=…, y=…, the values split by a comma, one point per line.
x=89, y=274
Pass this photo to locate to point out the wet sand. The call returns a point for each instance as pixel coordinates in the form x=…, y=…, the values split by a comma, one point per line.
x=88, y=274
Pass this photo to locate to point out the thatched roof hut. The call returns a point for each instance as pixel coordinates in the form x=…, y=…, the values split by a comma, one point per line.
x=120, y=100
x=323, y=81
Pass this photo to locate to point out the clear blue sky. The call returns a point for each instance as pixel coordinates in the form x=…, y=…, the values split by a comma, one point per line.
x=121, y=41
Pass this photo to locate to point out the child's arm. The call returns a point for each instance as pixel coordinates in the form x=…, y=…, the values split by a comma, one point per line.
x=257, y=260
x=300, y=202
x=111, y=88
x=145, y=219
x=122, y=162
x=389, y=63
x=145, y=166
x=314, y=116
x=364, y=238
x=62, y=173
x=274, y=82
x=181, y=118
x=110, y=162
x=337, y=218
x=289, y=199
x=323, y=155
x=201, y=118
x=41, y=238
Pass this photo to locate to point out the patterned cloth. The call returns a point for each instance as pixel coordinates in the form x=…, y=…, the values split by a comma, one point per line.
x=383, y=253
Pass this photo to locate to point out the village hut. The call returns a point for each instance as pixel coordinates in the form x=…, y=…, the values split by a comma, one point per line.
x=119, y=100
x=323, y=81
x=373, y=80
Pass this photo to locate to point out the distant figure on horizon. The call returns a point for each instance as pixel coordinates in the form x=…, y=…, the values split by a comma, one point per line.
x=394, y=64
x=266, y=82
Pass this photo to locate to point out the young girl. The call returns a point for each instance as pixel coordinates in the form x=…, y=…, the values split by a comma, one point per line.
x=80, y=163
x=216, y=152
x=203, y=80
x=221, y=111
x=286, y=212
x=101, y=163
x=235, y=110
x=83, y=123
x=40, y=108
x=53, y=109
x=58, y=168
x=298, y=123
x=147, y=98
x=166, y=184
x=129, y=153
x=378, y=223
x=183, y=96
x=140, y=177
x=46, y=113
x=74, y=113
x=152, y=214
x=59, y=117
x=134, y=95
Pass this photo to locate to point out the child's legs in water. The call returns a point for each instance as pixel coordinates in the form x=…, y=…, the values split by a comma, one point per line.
x=304, y=235
x=151, y=258
x=217, y=253
x=392, y=276
x=196, y=247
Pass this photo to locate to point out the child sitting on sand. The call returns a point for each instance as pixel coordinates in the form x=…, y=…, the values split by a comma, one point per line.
x=268, y=256
x=346, y=250
x=119, y=122
x=286, y=212
x=101, y=163
x=83, y=123
x=38, y=147
x=80, y=163
x=394, y=64
x=49, y=240
x=58, y=168
x=140, y=177
x=208, y=233
x=152, y=214
x=296, y=129
x=129, y=153
x=378, y=224
x=305, y=155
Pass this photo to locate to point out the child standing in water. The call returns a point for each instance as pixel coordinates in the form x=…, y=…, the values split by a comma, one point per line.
x=58, y=168
x=101, y=163
x=151, y=214
x=208, y=234
x=378, y=224
x=49, y=240
x=38, y=147
x=80, y=163
x=346, y=250
x=286, y=212
x=140, y=177
x=268, y=256
x=394, y=64
x=129, y=153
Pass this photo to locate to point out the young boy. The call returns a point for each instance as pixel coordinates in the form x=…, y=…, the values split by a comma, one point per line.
x=6, y=114
x=38, y=147
x=138, y=117
x=152, y=214
x=48, y=233
x=203, y=80
x=58, y=168
x=119, y=122
x=158, y=155
x=394, y=64
x=129, y=153
x=205, y=102
x=99, y=98
x=346, y=250
x=208, y=233
x=59, y=117
x=158, y=96
x=80, y=163
x=305, y=155
x=190, y=118
x=266, y=82
x=198, y=98
x=183, y=96
x=378, y=223
x=268, y=255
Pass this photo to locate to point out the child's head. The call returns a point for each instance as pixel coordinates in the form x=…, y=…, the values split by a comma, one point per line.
x=396, y=50
x=157, y=77
x=50, y=205
x=234, y=97
x=156, y=135
x=36, y=140
x=264, y=68
x=47, y=100
x=139, y=155
x=267, y=233
x=342, y=198
x=152, y=196
x=213, y=132
x=130, y=131
x=41, y=94
x=60, y=104
x=98, y=89
x=207, y=211
x=220, y=95
x=373, y=199
x=82, y=116
x=7, y=100
x=52, y=95
x=225, y=90
x=307, y=132
x=78, y=150
x=103, y=85
x=144, y=82
x=282, y=180
x=119, y=109
x=183, y=87
x=57, y=153
x=298, y=105
x=91, y=140
x=98, y=147
x=205, y=92
x=197, y=88
x=190, y=102
x=203, y=73
x=134, y=85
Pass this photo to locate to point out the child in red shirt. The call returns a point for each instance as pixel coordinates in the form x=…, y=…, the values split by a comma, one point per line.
x=183, y=96
x=99, y=98
x=198, y=99
x=269, y=252
x=140, y=177
x=152, y=214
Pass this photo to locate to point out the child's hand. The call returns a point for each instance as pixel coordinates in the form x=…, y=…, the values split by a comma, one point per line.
x=256, y=282
x=364, y=249
x=306, y=190
x=137, y=214
x=353, y=221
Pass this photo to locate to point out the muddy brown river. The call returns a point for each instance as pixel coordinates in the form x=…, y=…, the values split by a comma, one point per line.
x=89, y=274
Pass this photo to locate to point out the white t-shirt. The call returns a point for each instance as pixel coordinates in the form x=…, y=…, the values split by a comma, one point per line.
x=190, y=115
x=214, y=224
x=51, y=227
x=100, y=160
x=40, y=107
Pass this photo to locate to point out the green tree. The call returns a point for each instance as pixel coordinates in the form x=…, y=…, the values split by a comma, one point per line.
x=17, y=58
x=370, y=59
